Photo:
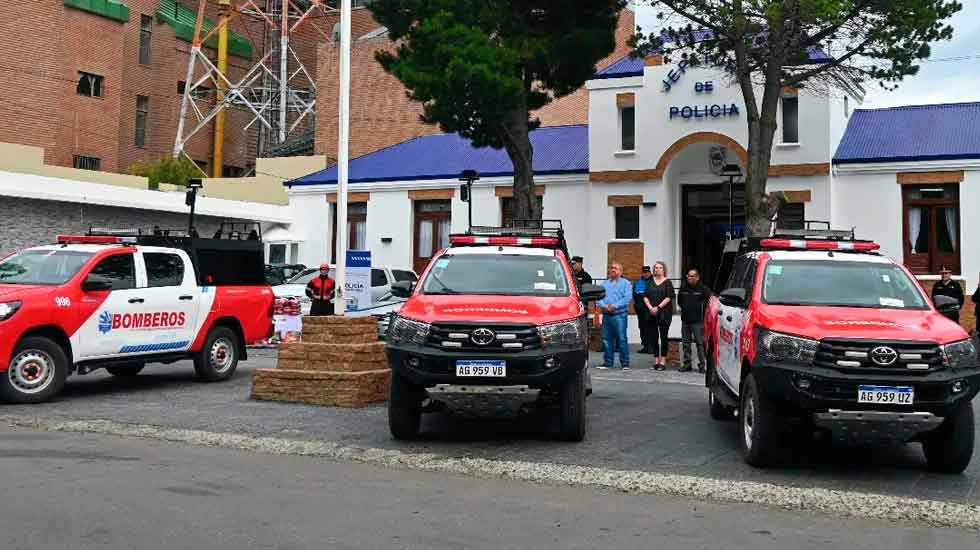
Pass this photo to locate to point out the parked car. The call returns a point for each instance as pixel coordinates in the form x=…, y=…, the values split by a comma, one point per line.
x=381, y=281
x=279, y=274
x=119, y=302
x=817, y=331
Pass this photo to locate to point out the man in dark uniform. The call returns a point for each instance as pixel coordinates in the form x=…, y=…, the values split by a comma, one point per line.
x=582, y=276
x=948, y=287
x=642, y=313
x=321, y=290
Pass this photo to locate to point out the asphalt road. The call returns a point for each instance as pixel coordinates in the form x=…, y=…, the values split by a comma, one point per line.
x=84, y=491
x=638, y=421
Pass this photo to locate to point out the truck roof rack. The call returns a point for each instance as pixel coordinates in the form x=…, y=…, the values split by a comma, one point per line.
x=809, y=231
x=547, y=233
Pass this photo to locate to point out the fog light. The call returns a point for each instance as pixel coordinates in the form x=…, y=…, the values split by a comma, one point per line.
x=550, y=363
x=959, y=386
x=414, y=362
x=803, y=383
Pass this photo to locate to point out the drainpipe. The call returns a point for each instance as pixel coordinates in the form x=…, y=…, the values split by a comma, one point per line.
x=219, y=120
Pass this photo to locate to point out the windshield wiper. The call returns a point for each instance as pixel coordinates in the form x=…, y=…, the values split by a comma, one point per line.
x=445, y=287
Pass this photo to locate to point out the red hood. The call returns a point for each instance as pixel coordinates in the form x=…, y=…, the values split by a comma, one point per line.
x=501, y=309
x=9, y=292
x=876, y=324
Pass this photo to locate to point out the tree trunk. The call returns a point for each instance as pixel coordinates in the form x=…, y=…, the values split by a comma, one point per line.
x=517, y=143
x=757, y=205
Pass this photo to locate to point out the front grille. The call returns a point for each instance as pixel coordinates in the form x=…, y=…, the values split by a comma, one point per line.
x=507, y=338
x=856, y=355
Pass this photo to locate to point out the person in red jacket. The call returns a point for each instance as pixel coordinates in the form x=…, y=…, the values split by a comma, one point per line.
x=321, y=291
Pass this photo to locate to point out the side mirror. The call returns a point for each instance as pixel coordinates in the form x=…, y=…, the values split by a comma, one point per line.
x=402, y=289
x=592, y=293
x=946, y=305
x=96, y=283
x=734, y=297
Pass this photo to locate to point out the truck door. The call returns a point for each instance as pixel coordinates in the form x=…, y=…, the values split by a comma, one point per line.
x=103, y=333
x=169, y=313
x=731, y=322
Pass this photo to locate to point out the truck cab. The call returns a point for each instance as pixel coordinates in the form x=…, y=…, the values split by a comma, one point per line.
x=495, y=323
x=119, y=302
x=815, y=329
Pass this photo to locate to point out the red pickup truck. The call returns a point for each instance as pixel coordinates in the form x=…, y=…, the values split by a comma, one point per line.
x=119, y=302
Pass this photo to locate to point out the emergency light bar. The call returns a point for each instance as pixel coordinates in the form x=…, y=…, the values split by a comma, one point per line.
x=513, y=241
x=95, y=239
x=858, y=246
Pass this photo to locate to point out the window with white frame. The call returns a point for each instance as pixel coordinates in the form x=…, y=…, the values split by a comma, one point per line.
x=791, y=116
x=626, y=105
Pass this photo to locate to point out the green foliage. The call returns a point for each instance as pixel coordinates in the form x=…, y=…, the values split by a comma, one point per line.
x=175, y=171
x=475, y=64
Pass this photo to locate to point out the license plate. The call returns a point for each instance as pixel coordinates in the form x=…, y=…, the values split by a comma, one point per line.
x=492, y=369
x=886, y=395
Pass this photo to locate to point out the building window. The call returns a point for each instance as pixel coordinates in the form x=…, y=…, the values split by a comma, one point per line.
x=931, y=220
x=142, y=108
x=791, y=117
x=233, y=171
x=507, y=209
x=432, y=226
x=89, y=84
x=199, y=92
x=356, y=227
x=146, y=33
x=277, y=254
x=626, y=104
x=627, y=222
x=86, y=163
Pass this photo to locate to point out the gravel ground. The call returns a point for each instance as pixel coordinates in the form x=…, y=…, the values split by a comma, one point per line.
x=642, y=425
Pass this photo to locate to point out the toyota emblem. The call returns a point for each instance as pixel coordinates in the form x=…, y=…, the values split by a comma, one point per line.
x=884, y=356
x=483, y=336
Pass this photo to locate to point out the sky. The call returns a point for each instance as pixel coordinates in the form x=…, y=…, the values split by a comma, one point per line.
x=938, y=81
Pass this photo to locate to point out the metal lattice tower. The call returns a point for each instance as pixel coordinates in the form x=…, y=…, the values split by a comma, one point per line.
x=276, y=89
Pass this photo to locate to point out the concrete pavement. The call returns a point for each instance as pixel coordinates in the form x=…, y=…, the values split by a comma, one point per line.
x=87, y=491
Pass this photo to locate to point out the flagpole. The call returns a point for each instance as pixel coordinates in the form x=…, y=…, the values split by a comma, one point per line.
x=340, y=303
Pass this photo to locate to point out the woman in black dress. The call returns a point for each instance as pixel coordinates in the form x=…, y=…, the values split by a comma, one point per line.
x=659, y=300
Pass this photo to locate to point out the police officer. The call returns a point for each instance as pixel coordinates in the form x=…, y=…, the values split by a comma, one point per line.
x=320, y=289
x=582, y=276
x=948, y=287
x=642, y=313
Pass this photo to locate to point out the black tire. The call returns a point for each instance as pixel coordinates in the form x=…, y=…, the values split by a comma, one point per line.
x=949, y=448
x=125, y=370
x=218, y=359
x=36, y=373
x=716, y=409
x=758, y=425
x=404, y=408
x=571, y=405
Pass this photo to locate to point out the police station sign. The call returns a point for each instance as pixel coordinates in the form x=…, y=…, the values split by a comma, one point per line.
x=712, y=110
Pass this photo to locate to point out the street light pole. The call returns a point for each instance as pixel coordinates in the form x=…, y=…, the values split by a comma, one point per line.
x=343, y=137
x=466, y=192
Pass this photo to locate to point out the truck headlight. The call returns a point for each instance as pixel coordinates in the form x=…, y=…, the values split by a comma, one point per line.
x=566, y=333
x=958, y=355
x=407, y=331
x=775, y=346
x=7, y=309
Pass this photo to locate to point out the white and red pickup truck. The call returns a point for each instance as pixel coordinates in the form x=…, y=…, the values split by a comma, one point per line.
x=119, y=302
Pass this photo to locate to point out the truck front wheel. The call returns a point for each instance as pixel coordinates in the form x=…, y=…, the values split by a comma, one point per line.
x=404, y=408
x=759, y=426
x=218, y=359
x=949, y=448
x=571, y=405
x=37, y=371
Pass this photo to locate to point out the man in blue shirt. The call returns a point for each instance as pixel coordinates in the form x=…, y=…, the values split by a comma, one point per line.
x=615, y=313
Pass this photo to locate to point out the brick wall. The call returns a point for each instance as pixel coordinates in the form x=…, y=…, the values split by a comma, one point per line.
x=48, y=219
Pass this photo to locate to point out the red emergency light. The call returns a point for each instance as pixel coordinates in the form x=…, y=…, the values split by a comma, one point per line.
x=858, y=246
x=95, y=239
x=504, y=241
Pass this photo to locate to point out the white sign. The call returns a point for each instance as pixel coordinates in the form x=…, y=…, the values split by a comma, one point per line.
x=357, y=287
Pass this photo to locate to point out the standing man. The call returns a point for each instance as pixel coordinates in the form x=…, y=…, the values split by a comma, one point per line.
x=692, y=299
x=642, y=313
x=582, y=276
x=615, y=313
x=948, y=287
x=320, y=289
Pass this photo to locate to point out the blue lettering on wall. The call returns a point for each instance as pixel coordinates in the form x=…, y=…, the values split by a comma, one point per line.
x=674, y=75
x=704, y=111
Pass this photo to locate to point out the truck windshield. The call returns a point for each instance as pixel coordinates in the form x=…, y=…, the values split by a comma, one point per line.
x=42, y=267
x=839, y=283
x=507, y=275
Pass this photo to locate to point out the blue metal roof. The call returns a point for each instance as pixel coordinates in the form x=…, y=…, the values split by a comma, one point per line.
x=557, y=150
x=914, y=133
x=626, y=66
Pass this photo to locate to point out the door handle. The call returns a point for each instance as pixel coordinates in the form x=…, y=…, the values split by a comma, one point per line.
x=136, y=300
x=187, y=297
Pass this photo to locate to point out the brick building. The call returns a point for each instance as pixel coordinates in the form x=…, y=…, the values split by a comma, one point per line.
x=382, y=115
x=101, y=87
